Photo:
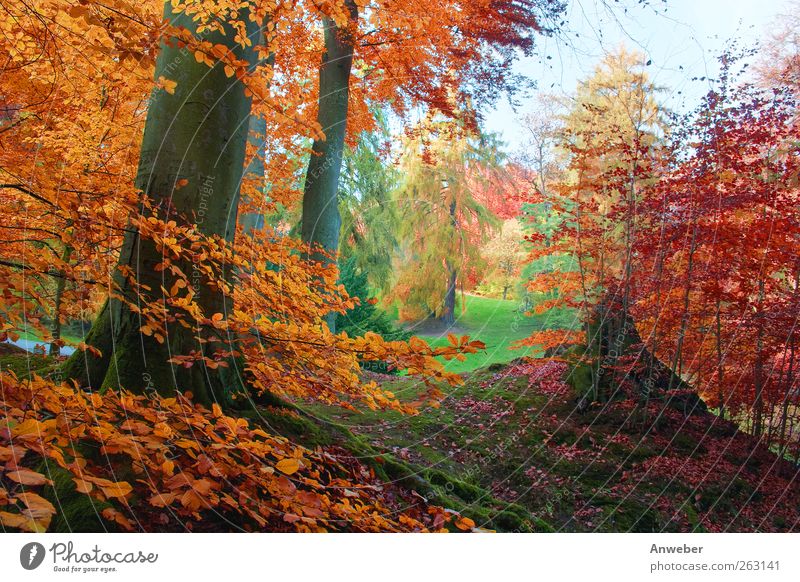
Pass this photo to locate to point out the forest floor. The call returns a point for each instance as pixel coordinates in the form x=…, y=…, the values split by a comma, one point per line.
x=514, y=452
x=510, y=449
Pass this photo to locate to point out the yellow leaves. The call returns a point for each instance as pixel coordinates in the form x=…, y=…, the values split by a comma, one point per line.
x=192, y=500
x=18, y=521
x=199, y=495
x=82, y=485
x=291, y=517
x=458, y=347
x=166, y=84
x=218, y=321
x=202, y=486
x=6, y=454
x=229, y=71
x=28, y=428
x=119, y=490
x=214, y=364
x=191, y=462
x=288, y=466
x=163, y=430
x=84, y=347
x=202, y=57
x=149, y=330
x=112, y=514
x=218, y=51
x=418, y=345
x=28, y=477
x=465, y=523
x=162, y=499
x=6, y=335
x=38, y=510
x=112, y=489
x=78, y=11
x=187, y=444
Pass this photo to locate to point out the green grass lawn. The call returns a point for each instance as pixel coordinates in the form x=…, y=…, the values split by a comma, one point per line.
x=35, y=336
x=499, y=324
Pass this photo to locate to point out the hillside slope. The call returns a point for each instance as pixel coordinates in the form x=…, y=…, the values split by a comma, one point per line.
x=513, y=432
x=511, y=450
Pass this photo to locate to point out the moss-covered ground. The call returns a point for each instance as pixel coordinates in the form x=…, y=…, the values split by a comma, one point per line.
x=514, y=450
x=511, y=448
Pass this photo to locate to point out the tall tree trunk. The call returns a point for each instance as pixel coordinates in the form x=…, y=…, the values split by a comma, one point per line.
x=321, y=222
x=197, y=134
x=677, y=362
x=651, y=377
x=448, y=316
x=55, y=326
x=592, y=331
x=251, y=221
x=720, y=362
x=758, y=370
x=654, y=345
x=784, y=440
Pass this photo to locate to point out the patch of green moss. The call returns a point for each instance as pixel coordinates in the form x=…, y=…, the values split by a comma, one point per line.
x=686, y=445
x=24, y=365
x=595, y=474
x=75, y=512
x=433, y=456
x=452, y=485
x=288, y=422
x=638, y=454
x=579, y=376
x=694, y=519
x=629, y=515
x=564, y=435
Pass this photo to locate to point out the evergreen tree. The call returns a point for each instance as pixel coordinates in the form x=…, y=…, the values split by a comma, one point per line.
x=443, y=226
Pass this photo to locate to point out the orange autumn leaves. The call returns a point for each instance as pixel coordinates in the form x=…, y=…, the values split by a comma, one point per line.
x=75, y=82
x=162, y=464
x=77, y=92
x=278, y=301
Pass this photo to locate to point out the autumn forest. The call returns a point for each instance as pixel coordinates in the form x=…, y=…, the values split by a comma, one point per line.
x=271, y=266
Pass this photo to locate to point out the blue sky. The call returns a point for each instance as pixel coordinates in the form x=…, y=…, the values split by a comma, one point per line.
x=682, y=38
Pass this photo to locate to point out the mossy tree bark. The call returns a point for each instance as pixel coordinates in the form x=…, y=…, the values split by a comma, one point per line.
x=61, y=285
x=252, y=221
x=321, y=222
x=448, y=316
x=197, y=134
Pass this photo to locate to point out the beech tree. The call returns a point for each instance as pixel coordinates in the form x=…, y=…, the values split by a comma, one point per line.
x=473, y=41
x=191, y=165
x=611, y=136
x=321, y=222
